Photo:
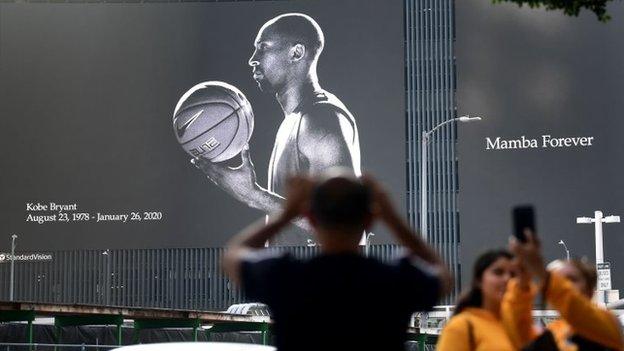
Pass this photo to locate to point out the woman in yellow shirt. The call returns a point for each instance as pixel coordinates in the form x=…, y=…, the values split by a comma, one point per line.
x=477, y=325
x=568, y=286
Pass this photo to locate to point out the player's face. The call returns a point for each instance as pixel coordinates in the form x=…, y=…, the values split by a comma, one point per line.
x=270, y=60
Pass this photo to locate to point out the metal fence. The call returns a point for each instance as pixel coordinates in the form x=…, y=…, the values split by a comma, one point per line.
x=166, y=278
x=410, y=346
x=10, y=346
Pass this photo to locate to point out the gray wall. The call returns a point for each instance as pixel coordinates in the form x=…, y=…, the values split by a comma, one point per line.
x=531, y=72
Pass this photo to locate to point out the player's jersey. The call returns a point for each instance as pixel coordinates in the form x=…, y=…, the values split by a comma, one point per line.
x=287, y=159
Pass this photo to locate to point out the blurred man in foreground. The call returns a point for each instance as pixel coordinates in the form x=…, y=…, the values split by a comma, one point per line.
x=339, y=299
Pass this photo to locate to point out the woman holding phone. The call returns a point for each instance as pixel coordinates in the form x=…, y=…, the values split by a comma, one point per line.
x=567, y=286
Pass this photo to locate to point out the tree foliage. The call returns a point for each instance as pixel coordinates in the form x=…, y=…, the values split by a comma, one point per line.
x=569, y=7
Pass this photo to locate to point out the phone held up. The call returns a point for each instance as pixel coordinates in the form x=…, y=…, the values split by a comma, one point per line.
x=523, y=218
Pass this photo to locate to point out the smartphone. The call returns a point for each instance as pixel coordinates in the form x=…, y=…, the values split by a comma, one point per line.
x=523, y=218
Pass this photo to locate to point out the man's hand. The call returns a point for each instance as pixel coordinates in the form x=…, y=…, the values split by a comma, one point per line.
x=385, y=211
x=382, y=206
x=240, y=182
x=299, y=191
x=254, y=236
x=529, y=255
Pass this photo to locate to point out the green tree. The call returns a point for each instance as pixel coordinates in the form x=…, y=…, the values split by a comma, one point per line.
x=569, y=7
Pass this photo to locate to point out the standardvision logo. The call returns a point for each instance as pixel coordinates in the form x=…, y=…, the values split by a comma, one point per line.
x=27, y=257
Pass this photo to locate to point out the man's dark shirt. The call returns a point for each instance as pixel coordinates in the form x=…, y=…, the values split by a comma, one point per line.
x=341, y=301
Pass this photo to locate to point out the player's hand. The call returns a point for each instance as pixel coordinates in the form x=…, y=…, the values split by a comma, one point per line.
x=240, y=182
x=299, y=192
x=529, y=255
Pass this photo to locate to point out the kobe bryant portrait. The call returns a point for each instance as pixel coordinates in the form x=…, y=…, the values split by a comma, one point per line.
x=317, y=131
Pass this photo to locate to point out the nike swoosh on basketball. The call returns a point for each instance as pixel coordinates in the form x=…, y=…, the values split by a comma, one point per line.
x=182, y=129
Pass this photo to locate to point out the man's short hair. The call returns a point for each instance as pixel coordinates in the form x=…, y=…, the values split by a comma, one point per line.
x=341, y=203
x=298, y=28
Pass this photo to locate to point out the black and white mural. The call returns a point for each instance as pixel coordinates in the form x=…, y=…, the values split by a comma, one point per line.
x=318, y=131
x=176, y=124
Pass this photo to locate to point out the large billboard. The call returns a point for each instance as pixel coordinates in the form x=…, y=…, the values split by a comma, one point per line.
x=99, y=102
x=549, y=88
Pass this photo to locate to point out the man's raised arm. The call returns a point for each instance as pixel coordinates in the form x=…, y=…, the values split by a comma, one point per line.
x=253, y=237
x=405, y=236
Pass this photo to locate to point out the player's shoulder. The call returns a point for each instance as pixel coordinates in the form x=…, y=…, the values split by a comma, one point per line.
x=321, y=119
x=326, y=113
x=324, y=103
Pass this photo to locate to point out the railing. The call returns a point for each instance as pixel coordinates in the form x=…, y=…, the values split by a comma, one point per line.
x=14, y=346
x=162, y=278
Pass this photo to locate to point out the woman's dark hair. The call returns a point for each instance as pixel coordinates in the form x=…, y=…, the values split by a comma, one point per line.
x=473, y=297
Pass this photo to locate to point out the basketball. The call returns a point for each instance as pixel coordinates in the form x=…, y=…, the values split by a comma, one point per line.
x=213, y=120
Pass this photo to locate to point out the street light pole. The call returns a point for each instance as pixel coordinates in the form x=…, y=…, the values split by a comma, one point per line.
x=106, y=293
x=598, y=219
x=12, y=283
x=424, y=145
x=423, y=185
x=561, y=242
